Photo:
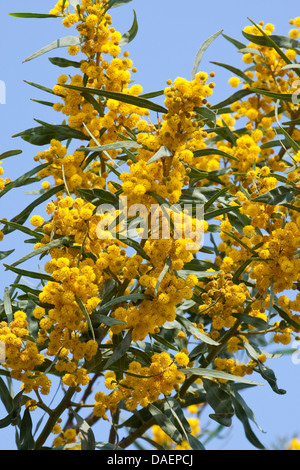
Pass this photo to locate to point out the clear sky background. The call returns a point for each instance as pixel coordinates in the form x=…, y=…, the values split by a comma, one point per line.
x=170, y=33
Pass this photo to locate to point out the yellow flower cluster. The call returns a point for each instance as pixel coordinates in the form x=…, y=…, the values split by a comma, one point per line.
x=141, y=385
x=22, y=354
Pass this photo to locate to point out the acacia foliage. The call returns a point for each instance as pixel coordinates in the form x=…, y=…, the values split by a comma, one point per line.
x=148, y=325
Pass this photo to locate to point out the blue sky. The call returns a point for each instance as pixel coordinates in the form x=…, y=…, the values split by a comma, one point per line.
x=170, y=33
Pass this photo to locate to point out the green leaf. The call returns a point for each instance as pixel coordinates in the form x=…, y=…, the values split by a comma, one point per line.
x=134, y=100
x=281, y=41
x=276, y=96
x=237, y=44
x=165, y=424
x=5, y=254
x=124, y=298
x=33, y=15
x=220, y=401
x=237, y=96
x=267, y=373
x=40, y=87
x=60, y=62
x=114, y=145
x=116, y=3
x=23, y=180
x=30, y=274
x=290, y=140
x=43, y=134
x=216, y=374
x=109, y=321
x=287, y=318
x=10, y=153
x=8, y=306
x=87, y=437
x=191, y=329
x=86, y=315
x=166, y=268
x=66, y=41
x=161, y=153
x=54, y=244
x=205, y=152
x=281, y=194
x=201, y=52
x=22, y=228
x=195, y=443
x=5, y=396
x=120, y=350
x=13, y=416
x=131, y=34
x=207, y=114
x=26, y=440
x=242, y=414
x=99, y=196
x=258, y=323
x=23, y=216
x=236, y=71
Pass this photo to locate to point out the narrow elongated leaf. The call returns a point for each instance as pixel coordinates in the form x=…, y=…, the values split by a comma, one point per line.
x=87, y=316
x=26, y=440
x=109, y=321
x=235, y=70
x=216, y=374
x=87, y=437
x=124, y=298
x=162, y=152
x=23, y=216
x=66, y=41
x=10, y=153
x=5, y=396
x=165, y=423
x=241, y=414
x=131, y=34
x=33, y=15
x=205, y=152
x=40, y=87
x=167, y=266
x=207, y=114
x=238, y=95
x=60, y=62
x=30, y=274
x=120, y=350
x=287, y=318
x=276, y=96
x=5, y=254
x=134, y=100
x=8, y=306
x=22, y=228
x=281, y=41
x=113, y=145
x=195, y=443
x=191, y=329
x=201, y=52
x=279, y=195
x=258, y=323
x=49, y=246
x=237, y=44
x=220, y=401
x=267, y=373
x=23, y=180
x=116, y=3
